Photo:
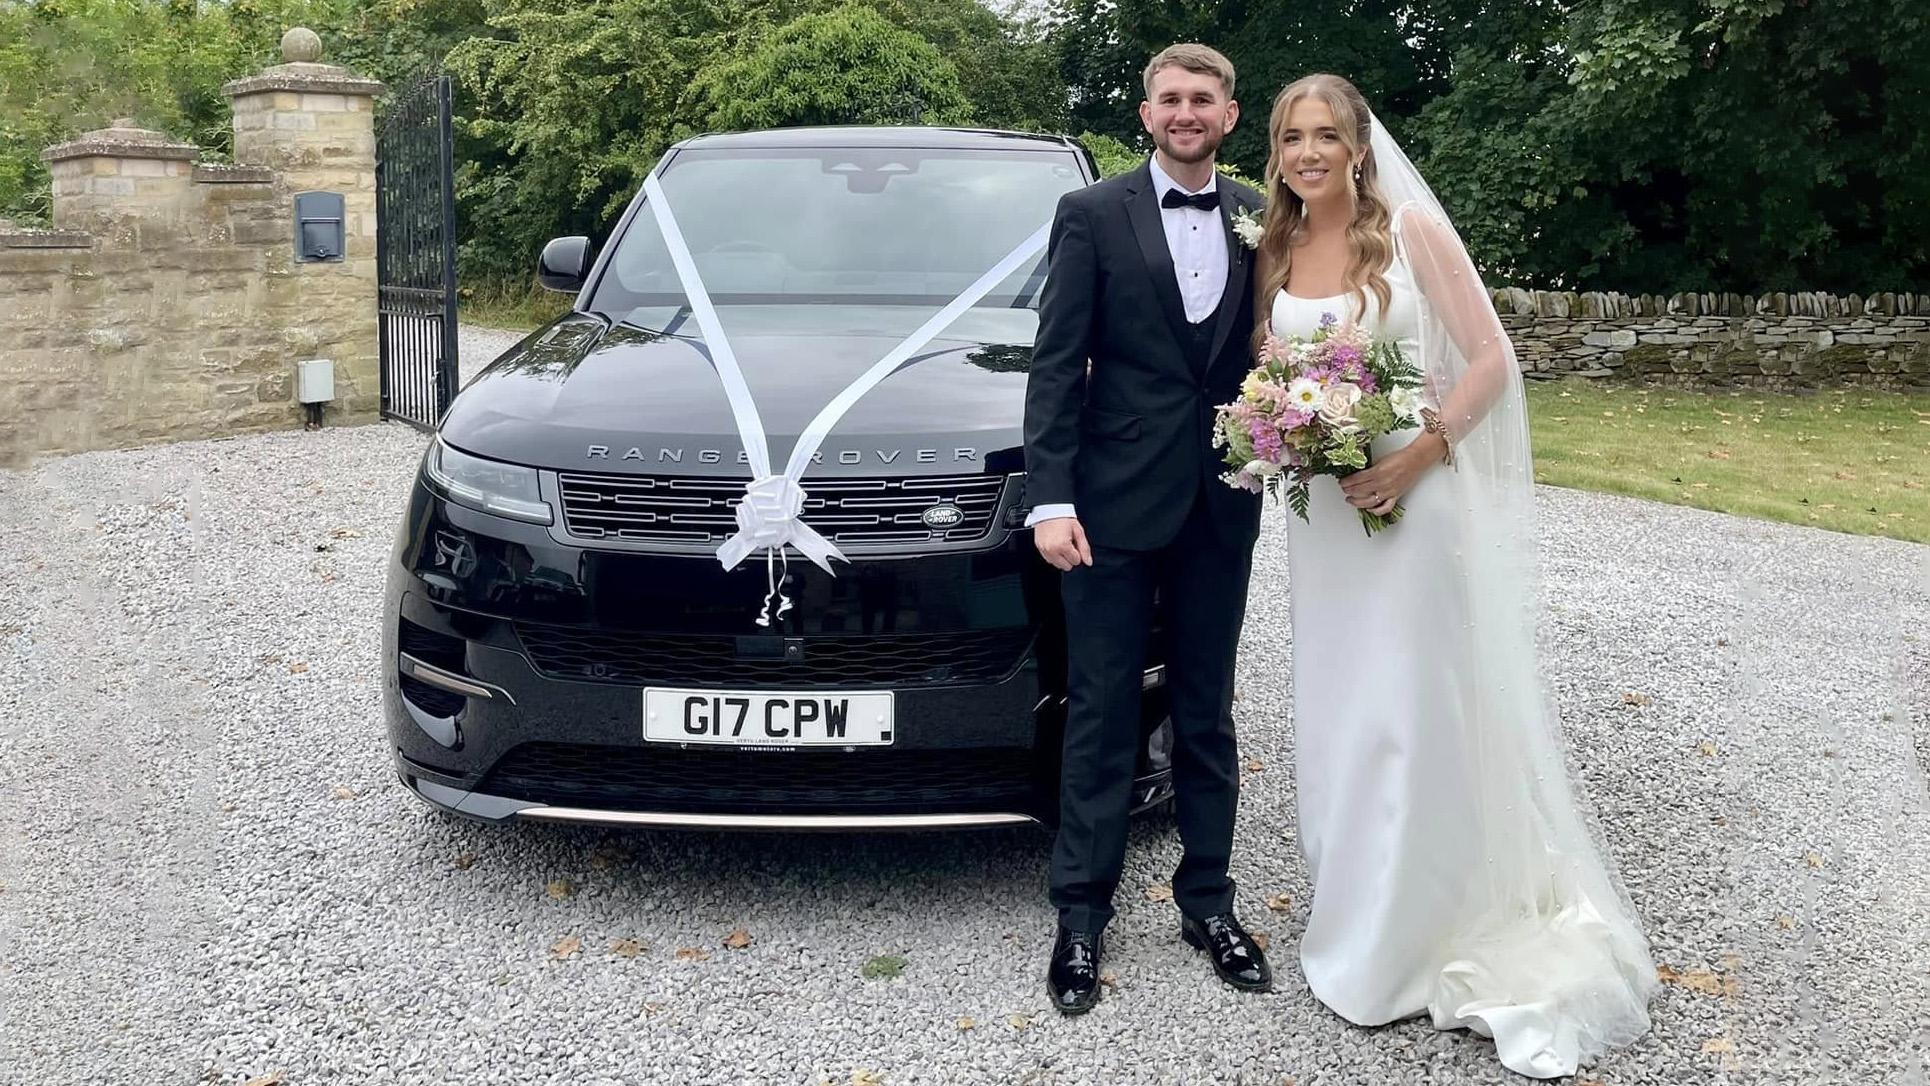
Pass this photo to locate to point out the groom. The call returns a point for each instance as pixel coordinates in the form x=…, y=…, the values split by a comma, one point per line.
x=1144, y=326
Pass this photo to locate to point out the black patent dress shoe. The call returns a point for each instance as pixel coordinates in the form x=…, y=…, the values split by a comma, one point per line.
x=1073, y=977
x=1236, y=957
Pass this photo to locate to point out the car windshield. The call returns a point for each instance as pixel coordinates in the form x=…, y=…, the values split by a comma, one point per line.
x=873, y=225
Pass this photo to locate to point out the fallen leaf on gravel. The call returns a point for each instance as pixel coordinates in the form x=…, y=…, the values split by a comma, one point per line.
x=625, y=948
x=884, y=965
x=1159, y=891
x=692, y=954
x=273, y=1078
x=608, y=856
x=862, y=1077
x=1812, y=859
x=343, y=791
x=1696, y=980
x=965, y=1021
x=1707, y=748
x=560, y=888
x=1721, y=821
x=653, y=1008
x=1722, y=642
x=1720, y=1044
x=1253, y=765
x=297, y=669
x=1279, y=903
x=1786, y=922
x=463, y=861
x=567, y=946
x=1017, y=1021
x=1261, y=939
x=1632, y=698
x=1110, y=980
x=738, y=940
x=344, y=533
x=229, y=808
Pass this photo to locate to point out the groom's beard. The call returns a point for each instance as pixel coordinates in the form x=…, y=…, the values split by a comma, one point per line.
x=1209, y=146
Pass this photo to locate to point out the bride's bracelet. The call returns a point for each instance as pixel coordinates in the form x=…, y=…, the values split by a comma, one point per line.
x=1431, y=423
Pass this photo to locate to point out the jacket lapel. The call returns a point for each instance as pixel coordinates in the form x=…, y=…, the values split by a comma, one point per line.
x=1238, y=273
x=1142, y=208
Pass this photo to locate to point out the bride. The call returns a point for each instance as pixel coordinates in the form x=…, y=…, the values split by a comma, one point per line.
x=1452, y=873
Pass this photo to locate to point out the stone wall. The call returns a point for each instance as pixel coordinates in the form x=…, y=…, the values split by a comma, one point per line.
x=1774, y=341
x=167, y=303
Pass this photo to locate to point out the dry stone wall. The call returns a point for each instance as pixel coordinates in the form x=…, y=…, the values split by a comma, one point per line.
x=166, y=303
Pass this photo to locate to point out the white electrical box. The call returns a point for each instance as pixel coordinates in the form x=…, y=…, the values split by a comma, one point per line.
x=315, y=381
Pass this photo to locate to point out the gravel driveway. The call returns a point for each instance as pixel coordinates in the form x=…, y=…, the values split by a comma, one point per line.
x=208, y=872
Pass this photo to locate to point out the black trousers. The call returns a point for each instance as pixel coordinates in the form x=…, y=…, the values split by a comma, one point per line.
x=1201, y=581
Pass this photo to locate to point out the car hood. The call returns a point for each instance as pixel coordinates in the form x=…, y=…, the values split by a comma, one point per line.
x=642, y=396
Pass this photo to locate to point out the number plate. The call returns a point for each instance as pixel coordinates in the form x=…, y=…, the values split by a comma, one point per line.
x=767, y=718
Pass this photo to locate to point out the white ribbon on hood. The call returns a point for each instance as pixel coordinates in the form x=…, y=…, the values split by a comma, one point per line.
x=768, y=513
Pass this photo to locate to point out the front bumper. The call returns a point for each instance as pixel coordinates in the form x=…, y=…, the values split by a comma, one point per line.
x=514, y=671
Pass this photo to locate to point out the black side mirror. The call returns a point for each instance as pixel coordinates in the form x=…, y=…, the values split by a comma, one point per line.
x=565, y=264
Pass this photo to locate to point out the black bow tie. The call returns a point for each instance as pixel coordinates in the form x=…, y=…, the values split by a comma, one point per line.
x=1205, y=201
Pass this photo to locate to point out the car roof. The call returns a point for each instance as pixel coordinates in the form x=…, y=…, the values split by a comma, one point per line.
x=876, y=136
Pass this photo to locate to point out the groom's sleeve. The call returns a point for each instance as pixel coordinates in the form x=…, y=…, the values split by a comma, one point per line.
x=1056, y=387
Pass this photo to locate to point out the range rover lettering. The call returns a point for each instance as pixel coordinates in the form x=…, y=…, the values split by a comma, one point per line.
x=562, y=640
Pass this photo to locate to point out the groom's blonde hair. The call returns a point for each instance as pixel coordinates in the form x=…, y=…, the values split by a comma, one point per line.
x=1193, y=57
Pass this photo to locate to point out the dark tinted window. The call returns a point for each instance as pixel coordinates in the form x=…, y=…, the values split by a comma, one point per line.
x=880, y=225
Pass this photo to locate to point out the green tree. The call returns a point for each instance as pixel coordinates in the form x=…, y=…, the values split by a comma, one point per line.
x=847, y=66
x=67, y=66
x=1727, y=145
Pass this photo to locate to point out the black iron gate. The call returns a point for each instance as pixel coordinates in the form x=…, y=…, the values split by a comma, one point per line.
x=415, y=217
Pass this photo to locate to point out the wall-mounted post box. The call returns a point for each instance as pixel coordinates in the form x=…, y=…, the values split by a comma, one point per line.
x=318, y=226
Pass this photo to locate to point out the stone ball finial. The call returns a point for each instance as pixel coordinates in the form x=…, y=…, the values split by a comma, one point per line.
x=301, y=46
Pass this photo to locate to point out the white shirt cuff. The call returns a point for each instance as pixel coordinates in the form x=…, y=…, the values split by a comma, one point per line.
x=1049, y=512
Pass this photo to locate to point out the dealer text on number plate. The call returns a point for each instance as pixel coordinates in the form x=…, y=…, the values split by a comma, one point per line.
x=767, y=718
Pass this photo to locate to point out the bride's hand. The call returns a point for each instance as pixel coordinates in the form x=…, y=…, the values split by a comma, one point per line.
x=1379, y=488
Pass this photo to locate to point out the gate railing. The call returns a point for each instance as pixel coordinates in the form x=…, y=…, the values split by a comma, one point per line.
x=415, y=209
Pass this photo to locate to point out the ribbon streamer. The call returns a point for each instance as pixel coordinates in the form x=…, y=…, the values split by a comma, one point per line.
x=768, y=515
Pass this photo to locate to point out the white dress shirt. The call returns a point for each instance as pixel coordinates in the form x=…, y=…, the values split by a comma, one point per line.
x=1196, y=239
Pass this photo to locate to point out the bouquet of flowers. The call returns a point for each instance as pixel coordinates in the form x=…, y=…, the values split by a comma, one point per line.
x=1313, y=407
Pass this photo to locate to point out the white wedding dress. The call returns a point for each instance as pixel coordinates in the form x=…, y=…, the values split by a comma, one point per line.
x=1446, y=881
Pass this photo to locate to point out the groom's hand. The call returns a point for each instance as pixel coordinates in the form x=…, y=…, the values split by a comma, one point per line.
x=1062, y=542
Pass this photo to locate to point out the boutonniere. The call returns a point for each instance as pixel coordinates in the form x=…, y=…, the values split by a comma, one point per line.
x=1249, y=229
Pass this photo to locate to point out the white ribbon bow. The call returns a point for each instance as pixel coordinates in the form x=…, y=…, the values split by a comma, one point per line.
x=768, y=513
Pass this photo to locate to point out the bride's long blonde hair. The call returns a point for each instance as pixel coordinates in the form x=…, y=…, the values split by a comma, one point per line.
x=1369, y=235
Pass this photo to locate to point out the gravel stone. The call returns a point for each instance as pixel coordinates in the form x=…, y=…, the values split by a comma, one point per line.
x=189, y=669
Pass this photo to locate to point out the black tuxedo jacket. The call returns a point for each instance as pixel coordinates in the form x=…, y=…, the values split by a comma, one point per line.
x=1131, y=445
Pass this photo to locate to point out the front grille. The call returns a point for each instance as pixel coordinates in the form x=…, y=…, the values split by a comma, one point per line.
x=898, y=661
x=848, y=512
x=765, y=782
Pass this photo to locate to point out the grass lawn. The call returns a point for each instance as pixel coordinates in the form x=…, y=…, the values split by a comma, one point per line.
x=1850, y=460
x=519, y=309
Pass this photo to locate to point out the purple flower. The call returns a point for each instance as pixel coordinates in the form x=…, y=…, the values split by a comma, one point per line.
x=1266, y=439
x=1293, y=418
x=1327, y=321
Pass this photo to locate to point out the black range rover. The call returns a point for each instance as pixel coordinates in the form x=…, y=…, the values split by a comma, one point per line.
x=562, y=641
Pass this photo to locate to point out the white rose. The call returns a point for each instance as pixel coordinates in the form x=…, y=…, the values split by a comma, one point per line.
x=1249, y=229
x=1406, y=403
x=1337, y=403
x=1304, y=393
x=1261, y=468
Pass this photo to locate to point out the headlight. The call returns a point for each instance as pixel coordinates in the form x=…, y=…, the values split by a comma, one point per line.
x=507, y=490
